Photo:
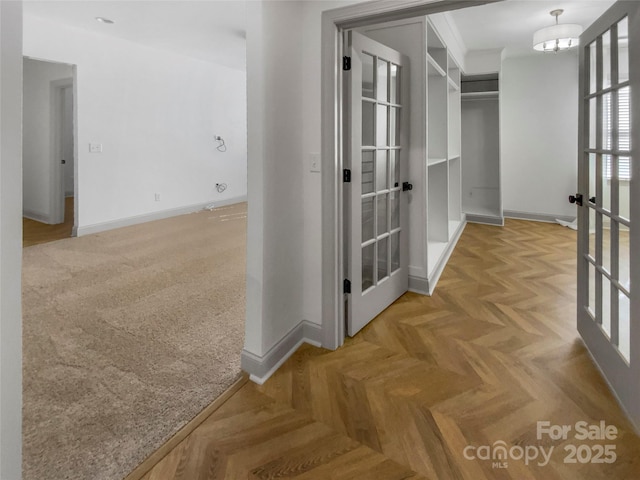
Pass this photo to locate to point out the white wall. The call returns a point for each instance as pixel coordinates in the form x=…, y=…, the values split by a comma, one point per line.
x=155, y=114
x=482, y=61
x=37, y=136
x=10, y=240
x=539, y=132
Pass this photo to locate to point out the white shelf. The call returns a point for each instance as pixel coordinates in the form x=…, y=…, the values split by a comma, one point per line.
x=435, y=161
x=454, y=157
x=434, y=67
x=479, y=95
x=452, y=84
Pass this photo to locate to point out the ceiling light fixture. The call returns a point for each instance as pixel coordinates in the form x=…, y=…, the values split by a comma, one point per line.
x=557, y=37
x=104, y=20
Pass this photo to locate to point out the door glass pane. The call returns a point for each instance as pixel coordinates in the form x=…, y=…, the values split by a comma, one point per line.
x=367, y=171
x=395, y=251
x=624, y=260
x=592, y=68
x=606, y=244
x=606, y=182
x=592, y=175
x=624, y=173
x=394, y=166
x=381, y=136
x=368, y=123
x=394, y=139
x=592, y=233
x=367, y=75
x=606, y=59
x=606, y=305
x=624, y=120
x=623, y=50
x=383, y=80
x=383, y=252
x=382, y=214
x=592, y=290
x=367, y=266
x=593, y=136
x=394, y=84
x=624, y=326
x=607, y=122
x=367, y=218
x=381, y=170
x=395, y=209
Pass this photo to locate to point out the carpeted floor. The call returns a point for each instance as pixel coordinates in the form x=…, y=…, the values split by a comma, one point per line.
x=128, y=334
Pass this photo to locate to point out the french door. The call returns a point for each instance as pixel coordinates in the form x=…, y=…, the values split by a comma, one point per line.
x=609, y=218
x=376, y=206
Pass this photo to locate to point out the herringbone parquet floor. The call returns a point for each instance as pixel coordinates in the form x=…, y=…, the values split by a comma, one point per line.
x=493, y=352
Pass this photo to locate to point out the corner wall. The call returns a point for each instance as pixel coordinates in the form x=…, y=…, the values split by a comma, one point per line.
x=10, y=240
x=539, y=133
x=155, y=114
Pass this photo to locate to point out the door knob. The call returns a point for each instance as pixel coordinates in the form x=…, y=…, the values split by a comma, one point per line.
x=592, y=199
x=577, y=199
x=406, y=186
x=64, y=162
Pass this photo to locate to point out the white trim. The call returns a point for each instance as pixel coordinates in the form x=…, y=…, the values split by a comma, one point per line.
x=419, y=285
x=485, y=219
x=56, y=177
x=261, y=368
x=333, y=22
x=149, y=217
x=37, y=216
x=537, y=217
x=444, y=258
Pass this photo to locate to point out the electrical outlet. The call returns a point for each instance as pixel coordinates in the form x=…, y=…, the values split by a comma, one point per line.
x=95, y=148
x=314, y=162
x=157, y=197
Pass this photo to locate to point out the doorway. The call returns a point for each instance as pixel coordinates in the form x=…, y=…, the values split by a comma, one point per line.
x=49, y=150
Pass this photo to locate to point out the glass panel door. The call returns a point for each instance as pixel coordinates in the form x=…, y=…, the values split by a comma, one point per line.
x=378, y=264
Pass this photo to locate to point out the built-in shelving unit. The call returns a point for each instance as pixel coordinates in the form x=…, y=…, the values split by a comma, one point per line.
x=435, y=166
x=480, y=149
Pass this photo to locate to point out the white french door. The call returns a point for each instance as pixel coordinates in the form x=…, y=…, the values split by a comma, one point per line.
x=376, y=208
x=609, y=237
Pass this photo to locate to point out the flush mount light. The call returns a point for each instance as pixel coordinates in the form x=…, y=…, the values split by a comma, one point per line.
x=557, y=37
x=104, y=20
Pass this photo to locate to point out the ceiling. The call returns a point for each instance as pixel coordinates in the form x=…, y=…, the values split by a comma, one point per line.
x=511, y=24
x=214, y=30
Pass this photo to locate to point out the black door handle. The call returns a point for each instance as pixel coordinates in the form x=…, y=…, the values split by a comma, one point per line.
x=64, y=162
x=577, y=199
x=592, y=199
x=406, y=186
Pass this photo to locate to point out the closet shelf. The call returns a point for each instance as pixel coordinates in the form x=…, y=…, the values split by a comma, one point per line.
x=435, y=66
x=435, y=161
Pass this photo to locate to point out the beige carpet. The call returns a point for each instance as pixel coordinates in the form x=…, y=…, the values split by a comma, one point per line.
x=128, y=335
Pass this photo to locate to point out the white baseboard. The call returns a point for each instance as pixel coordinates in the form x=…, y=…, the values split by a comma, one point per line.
x=537, y=217
x=485, y=219
x=37, y=216
x=261, y=368
x=149, y=217
x=419, y=285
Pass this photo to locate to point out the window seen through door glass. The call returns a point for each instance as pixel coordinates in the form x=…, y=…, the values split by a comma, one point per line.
x=394, y=84
x=623, y=50
x=592, y=68
x=367, y=76
x=382, y=81
x=606, y=59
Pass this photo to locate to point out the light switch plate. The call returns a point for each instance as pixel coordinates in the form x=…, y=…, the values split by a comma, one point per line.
x=95, y=148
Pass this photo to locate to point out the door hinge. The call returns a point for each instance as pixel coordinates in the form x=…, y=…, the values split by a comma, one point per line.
x=346, y=175
x=346, y=63
x=346, y=286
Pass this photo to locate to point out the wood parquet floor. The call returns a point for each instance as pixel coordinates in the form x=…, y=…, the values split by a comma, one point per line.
x=35, y=233
x=491, y=353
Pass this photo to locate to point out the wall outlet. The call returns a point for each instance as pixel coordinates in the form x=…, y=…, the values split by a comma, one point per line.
x=157, y=197
x=95, y=148
x=314, y=162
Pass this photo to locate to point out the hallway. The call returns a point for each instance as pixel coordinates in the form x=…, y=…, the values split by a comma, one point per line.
x=493, y=352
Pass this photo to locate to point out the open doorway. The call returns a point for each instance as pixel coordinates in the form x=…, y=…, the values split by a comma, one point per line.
x=48, y=151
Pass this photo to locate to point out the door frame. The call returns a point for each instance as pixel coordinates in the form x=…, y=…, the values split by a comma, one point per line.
x=57, y=194
x=334, y=22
